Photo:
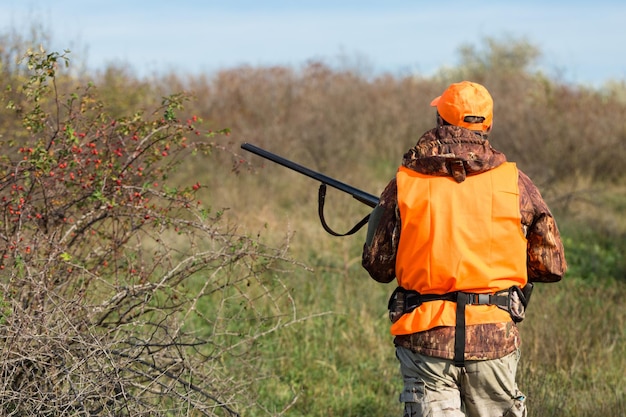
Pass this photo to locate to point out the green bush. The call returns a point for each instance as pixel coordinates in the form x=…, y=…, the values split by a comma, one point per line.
x=596, y=257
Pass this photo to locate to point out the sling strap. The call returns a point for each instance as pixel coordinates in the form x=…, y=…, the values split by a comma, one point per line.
x=320, y=208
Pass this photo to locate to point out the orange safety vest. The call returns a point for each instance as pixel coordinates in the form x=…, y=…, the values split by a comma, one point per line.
x=458, y=237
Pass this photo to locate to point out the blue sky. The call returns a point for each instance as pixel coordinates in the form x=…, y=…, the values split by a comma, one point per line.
x=582, y=42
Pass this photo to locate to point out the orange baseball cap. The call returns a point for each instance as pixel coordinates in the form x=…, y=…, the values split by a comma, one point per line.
x=464, y=99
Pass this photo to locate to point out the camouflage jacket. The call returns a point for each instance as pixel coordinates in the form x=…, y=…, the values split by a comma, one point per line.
x=458, y=152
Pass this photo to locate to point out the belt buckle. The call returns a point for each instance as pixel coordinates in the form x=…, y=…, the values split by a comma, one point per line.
x=479, y=298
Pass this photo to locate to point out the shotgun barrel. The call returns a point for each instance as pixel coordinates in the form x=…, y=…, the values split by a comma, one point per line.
x=365, y=198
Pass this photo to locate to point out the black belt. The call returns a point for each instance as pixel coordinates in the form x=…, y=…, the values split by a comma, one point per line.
x=413, y=299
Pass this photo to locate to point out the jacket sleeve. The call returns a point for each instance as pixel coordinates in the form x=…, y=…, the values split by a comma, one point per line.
x=545, y=252
x=383, y=235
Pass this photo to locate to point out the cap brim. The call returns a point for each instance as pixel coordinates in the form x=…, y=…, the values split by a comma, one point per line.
x=435, y=101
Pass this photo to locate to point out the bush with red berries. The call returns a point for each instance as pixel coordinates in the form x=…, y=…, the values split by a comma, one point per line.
x=121, y=293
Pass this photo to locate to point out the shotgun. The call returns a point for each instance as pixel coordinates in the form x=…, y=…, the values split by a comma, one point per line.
x=365, y=198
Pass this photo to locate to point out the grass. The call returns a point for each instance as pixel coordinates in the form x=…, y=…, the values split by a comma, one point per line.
x=343, y=363
x=575, y=355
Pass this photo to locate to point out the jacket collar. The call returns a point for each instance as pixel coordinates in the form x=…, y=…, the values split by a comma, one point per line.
x=452, y=151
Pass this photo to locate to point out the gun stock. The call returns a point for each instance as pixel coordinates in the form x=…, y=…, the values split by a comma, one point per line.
x=365, y=198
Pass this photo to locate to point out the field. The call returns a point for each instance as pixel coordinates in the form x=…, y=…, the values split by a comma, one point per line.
x=226, y=290
x=343, y=363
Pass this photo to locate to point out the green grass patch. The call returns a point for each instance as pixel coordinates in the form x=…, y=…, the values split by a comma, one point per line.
x=343, y=363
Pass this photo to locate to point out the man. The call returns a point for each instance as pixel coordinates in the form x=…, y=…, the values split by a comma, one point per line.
x=464, y=233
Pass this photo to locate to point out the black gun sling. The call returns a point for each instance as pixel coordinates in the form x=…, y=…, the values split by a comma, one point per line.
x=321, y=197
x=413, y=299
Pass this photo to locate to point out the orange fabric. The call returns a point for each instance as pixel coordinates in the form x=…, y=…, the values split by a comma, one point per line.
x=458, y=237
x=465, y=99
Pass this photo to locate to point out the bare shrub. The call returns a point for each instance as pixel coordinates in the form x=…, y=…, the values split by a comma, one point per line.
x=121, y=294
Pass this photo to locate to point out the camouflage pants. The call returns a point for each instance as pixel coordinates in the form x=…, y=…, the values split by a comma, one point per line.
x=434, y=387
